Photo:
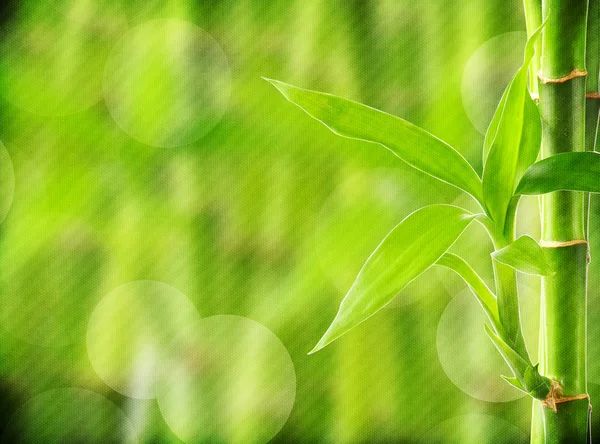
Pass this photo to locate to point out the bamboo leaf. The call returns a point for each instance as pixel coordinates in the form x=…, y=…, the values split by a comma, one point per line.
x=484, y=295
x=579, y=171
x=492, y=130
x=513, y=129
x=524, y=255
x=413, y=246
x=410, y=143
x=531, y=138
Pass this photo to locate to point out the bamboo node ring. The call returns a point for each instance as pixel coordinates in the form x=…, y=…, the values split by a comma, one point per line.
x=592, y=95
x=560, y=244
x=555, y=397
x=572, y=75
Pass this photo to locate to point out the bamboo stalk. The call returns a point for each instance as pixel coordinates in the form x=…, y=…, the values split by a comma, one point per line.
x=564, y=295
x=592, y=111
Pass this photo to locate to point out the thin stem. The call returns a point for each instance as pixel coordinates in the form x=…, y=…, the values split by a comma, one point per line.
x=506, y=293
x=505, y=279
x=511, y=218
x=533, y=20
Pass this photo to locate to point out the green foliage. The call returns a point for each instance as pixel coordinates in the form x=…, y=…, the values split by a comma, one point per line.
x=524, y=255
x=513, y=141
x=413, y=246
x=410, y=143
x=578, y=171
x=422, y=239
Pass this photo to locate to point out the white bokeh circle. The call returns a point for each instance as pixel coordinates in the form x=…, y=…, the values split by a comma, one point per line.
x=167, y=83
x=476, y=428
x=72, y=415
x=467, y=355
x=129, y=333
x=487, y=74
x=52, y=62
x=230, y=380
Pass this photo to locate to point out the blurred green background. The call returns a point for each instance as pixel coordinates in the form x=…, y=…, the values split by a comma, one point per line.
x=144, y=146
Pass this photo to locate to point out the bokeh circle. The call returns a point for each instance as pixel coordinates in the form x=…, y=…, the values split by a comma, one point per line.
x=167, y=83
x=467, y=355
x=129, y=333
x=230, y=380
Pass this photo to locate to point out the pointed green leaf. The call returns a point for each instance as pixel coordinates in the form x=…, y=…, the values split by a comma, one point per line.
x=492, y=130
x=531, y=138
x=410, y=143
x=524, y=255
x=578, y=171
x=515, y=131
x=413, y=246
x=486, y=298
x=531, y=135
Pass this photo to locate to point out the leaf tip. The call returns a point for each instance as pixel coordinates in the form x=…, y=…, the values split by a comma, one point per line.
x=314, y=350
x=281, y=87
x=332, y=333
x=320, y=345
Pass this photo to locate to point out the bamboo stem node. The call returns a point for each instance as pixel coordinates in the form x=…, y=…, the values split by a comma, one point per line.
x=592, y=95
x=572, y=75
x=561, y=244
x=555, y=397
